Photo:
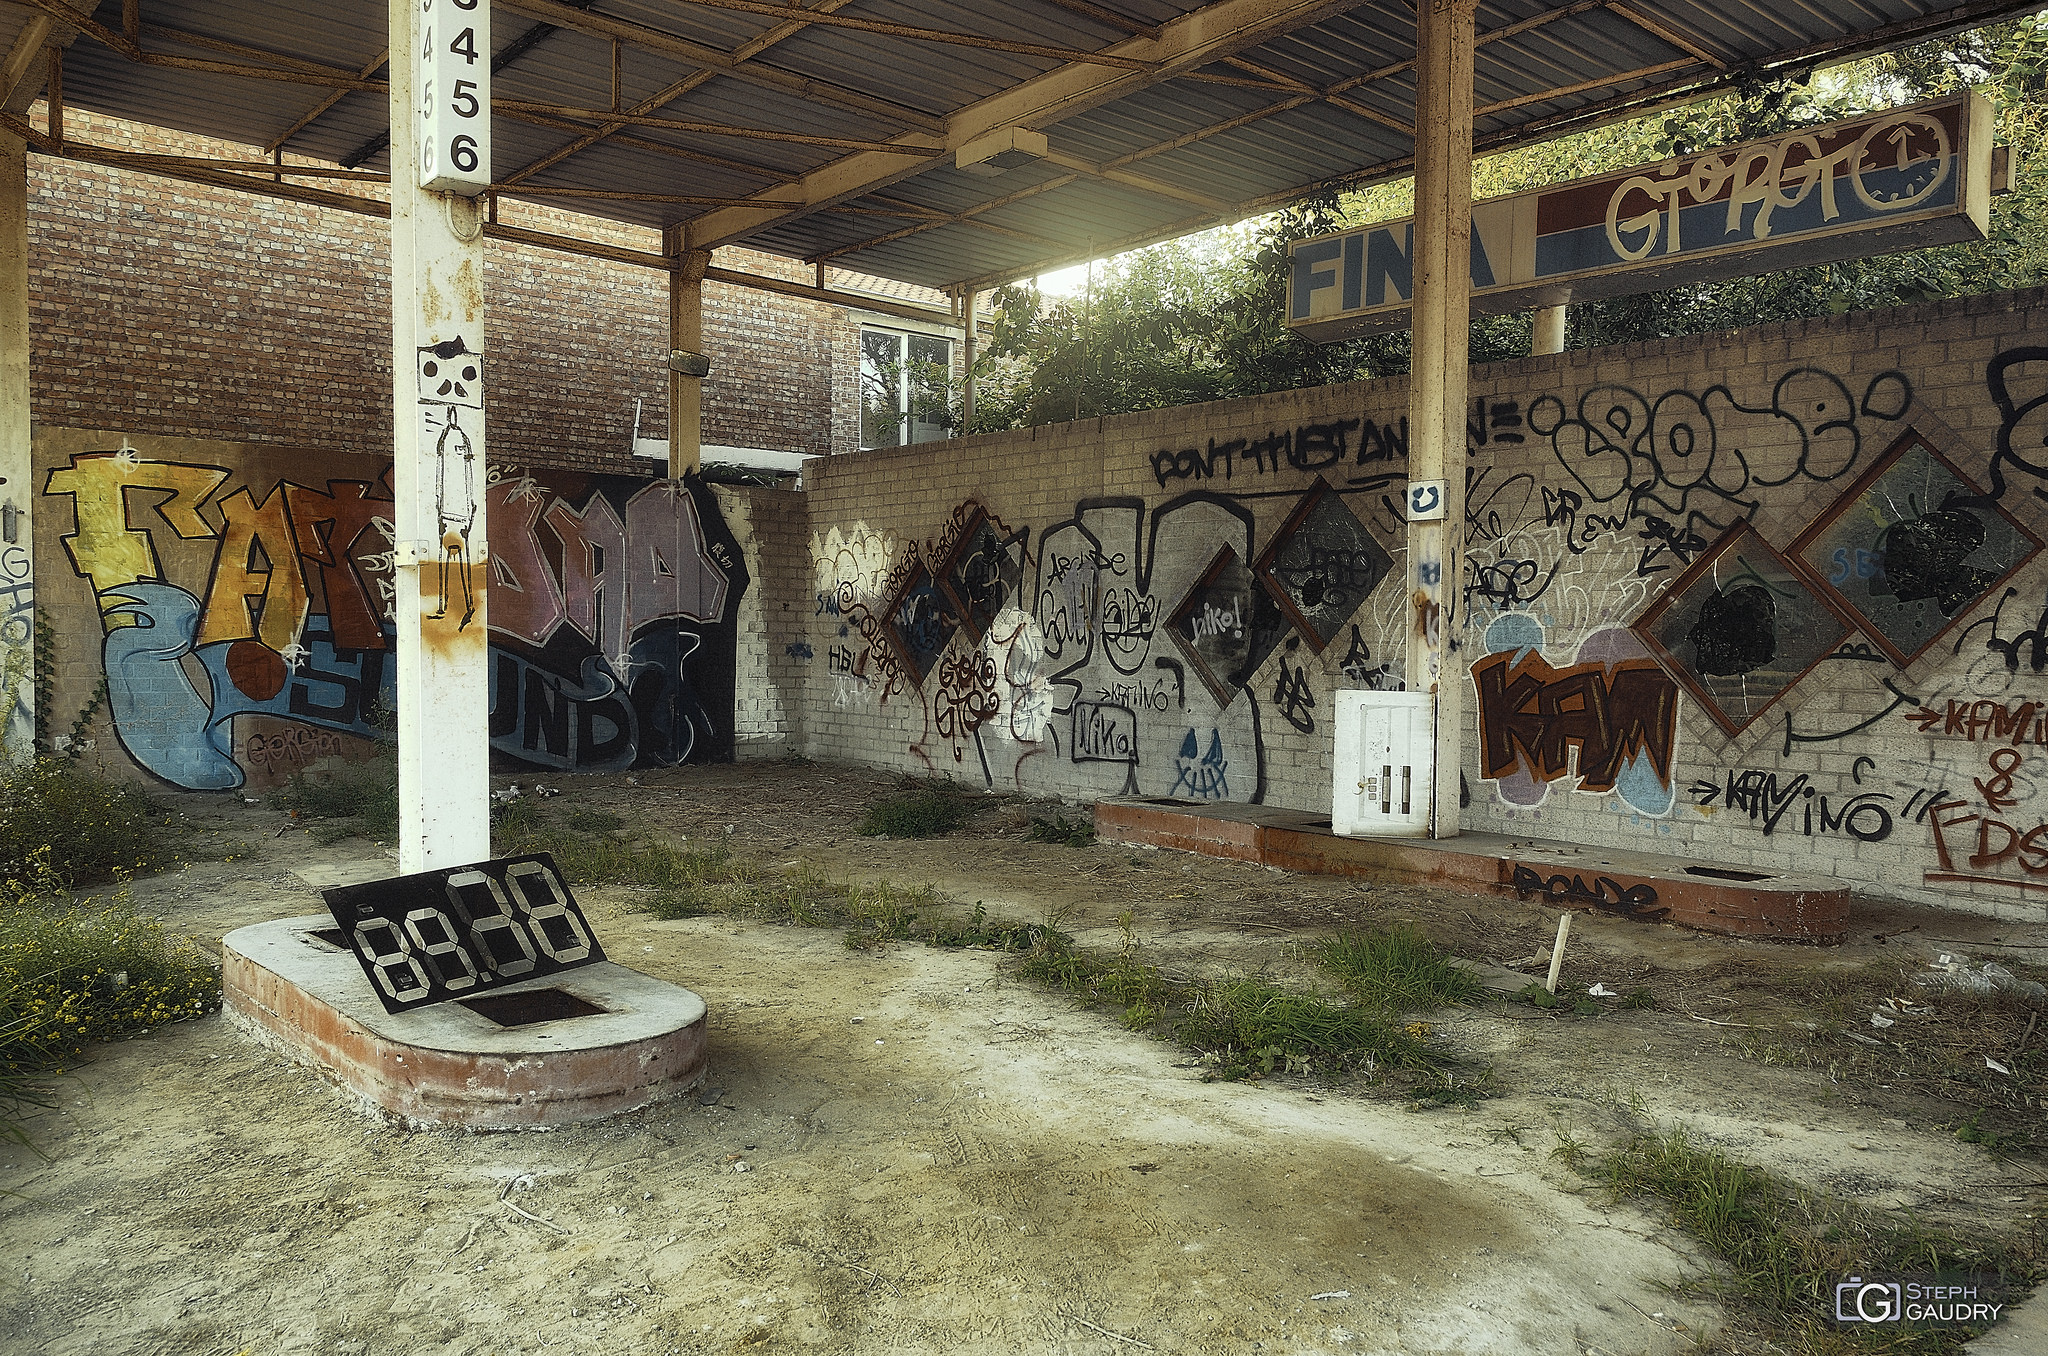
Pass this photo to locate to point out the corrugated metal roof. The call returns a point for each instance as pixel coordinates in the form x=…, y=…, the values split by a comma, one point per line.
x=1263, y=99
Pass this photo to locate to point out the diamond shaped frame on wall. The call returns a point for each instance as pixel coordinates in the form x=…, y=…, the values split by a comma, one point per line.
x=979, y=574
x=1903, y=568
x=1226, y=625
x=1741, y=626
x=921, y=622
x=1322, y=564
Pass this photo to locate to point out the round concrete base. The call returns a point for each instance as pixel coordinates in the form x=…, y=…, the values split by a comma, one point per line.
x=573, y=1046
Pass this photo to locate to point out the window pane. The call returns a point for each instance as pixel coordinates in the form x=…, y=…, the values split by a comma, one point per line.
x=930, y=383
x=881, y=388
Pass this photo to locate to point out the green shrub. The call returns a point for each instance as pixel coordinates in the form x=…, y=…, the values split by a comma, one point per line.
x=358, y=799
x=62, y=827
x=1057, y=828
x=929, y=811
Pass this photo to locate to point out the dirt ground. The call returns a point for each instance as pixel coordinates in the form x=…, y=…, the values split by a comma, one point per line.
x=909, y=1150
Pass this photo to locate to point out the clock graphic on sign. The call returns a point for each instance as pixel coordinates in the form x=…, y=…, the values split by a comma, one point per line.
x=1900, y=162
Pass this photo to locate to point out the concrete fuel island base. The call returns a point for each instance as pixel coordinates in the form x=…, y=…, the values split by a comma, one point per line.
x=1739, y=903
x=582, y=1044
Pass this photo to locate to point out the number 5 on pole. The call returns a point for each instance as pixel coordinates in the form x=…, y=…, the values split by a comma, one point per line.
x=455, y=128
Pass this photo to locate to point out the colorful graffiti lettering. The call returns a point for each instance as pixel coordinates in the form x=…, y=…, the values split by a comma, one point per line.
x=1614, y=708
x=610, y=617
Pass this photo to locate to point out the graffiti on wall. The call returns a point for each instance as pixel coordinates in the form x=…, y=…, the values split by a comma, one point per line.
x=248, y=629
x=17, y=640
x=1126, y=633
x=1610, y=717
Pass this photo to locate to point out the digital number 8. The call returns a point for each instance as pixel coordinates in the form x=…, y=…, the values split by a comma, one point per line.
x=384, y=963
x=501, y=919
x=554, y=909
x=449, y=945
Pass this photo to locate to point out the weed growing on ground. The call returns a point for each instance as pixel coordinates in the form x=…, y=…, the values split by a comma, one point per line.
x=356, y=800
x=928, y=810
x=62, y=827
x=1399, y=970
x=1782, y=1249
x=1057, y=828
x=1242, y=1028
x=75, y=973
x=1252, y=1024
x=587, y=852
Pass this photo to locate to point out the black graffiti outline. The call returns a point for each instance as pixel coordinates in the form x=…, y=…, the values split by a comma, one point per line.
x=1899, y=699
x=1606, y=893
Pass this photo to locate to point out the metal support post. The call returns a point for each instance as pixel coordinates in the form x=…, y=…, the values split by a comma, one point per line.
x=1436, y=397
x=972, y=351
x=443, y=557
x=17, y=541
x=1546, y=331
x=685, y=337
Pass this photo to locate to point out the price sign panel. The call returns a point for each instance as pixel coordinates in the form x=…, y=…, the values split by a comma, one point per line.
x=462, y=931
x=451, y=82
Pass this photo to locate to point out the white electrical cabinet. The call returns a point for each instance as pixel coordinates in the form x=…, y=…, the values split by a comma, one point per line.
x=1381, y=775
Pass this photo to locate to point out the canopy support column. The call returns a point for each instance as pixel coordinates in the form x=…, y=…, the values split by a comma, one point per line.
x=443, y=558
x=17, y=498
x=686, y=347
x=1436, y=396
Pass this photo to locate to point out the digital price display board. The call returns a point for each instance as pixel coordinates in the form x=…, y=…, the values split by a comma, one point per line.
x=462, y=930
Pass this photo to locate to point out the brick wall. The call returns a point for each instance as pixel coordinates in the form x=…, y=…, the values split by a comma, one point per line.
x=1894, y=744
x=169, y=308
x=769, y=527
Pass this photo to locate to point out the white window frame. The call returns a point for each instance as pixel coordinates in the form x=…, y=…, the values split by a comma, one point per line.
x=909, y=431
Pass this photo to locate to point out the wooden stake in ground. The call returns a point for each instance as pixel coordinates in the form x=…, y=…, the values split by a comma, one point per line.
x=1564, y=930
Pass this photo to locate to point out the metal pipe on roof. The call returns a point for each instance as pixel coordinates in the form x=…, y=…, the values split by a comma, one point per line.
x=713, y=129
x=698, y=54
x=940, y=35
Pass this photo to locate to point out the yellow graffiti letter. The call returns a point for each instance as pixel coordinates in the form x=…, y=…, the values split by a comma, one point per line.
x=240, y=573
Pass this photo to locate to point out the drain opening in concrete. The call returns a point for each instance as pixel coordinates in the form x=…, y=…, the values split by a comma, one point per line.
x=535, y=1005
x=1722, y=873
x=1317, y=824
x=331, y=936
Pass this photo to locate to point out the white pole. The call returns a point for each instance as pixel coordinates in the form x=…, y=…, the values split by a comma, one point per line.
x=1436, y=394
x=17, y=541
x=1546, y=330
x=437, y=350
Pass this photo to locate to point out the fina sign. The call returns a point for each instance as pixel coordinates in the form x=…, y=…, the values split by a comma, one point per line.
x=1871, y=185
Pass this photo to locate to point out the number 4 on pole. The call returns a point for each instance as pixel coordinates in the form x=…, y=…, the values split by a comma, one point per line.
x=454, y=128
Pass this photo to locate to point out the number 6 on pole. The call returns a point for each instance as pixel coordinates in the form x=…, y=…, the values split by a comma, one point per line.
x=451, y=55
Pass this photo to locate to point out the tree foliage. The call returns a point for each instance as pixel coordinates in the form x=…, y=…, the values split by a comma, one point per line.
x=1201, y=318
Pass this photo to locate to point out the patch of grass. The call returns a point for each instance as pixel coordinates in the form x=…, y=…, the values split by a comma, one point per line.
x=595, y=821
x=1399, y=970
x=1057, y=828
x=1972, y=1131
x=1242, y=1028
x=1782, y=1249
x=355, y=800
x=929, y=810
x=62, y=827
x=1249, y=1026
